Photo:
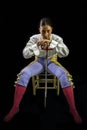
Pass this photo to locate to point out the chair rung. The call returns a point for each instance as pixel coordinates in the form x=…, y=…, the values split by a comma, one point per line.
x=48, y=81
x=47, y=88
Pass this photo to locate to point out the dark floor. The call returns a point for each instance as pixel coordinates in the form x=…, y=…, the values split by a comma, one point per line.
x=55, y=116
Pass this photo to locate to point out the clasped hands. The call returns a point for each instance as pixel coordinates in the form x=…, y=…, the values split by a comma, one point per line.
x=44, y=43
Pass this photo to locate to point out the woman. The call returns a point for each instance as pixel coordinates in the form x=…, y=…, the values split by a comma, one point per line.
x=37, y=45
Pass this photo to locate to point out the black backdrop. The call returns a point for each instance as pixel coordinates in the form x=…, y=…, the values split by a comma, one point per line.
x=20, y=20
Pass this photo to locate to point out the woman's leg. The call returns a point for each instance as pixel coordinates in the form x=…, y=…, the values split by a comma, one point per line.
x=20, y=87
x=67, y=89
x=18, y=95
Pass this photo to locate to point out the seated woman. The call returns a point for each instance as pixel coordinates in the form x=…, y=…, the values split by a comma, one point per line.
x=35, y=46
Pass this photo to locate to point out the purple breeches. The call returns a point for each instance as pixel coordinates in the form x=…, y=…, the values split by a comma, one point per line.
x=38, y=67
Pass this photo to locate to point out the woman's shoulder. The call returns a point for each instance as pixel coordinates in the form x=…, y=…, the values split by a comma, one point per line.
x=55, y=36
x=35, y=36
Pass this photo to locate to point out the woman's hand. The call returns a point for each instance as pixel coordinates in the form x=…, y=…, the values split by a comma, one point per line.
x=44, y=43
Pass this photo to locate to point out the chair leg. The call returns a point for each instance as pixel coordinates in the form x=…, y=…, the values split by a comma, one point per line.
x=34, y=85
x=58, y=87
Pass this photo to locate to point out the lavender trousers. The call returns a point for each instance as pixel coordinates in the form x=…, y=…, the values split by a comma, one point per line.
x=38, y=67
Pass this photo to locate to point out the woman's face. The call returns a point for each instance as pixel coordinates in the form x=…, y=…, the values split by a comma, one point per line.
x=45, y=31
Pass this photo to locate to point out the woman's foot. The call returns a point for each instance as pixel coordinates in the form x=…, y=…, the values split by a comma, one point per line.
x=76, y=116
x=11, y=114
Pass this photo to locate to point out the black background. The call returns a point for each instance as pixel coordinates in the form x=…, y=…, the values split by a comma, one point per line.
x=18, y=22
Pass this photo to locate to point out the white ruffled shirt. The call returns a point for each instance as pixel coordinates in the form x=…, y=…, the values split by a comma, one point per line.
x=57, y=47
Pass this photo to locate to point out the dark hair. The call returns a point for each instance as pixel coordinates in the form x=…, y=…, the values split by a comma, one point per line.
x=45, y=21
